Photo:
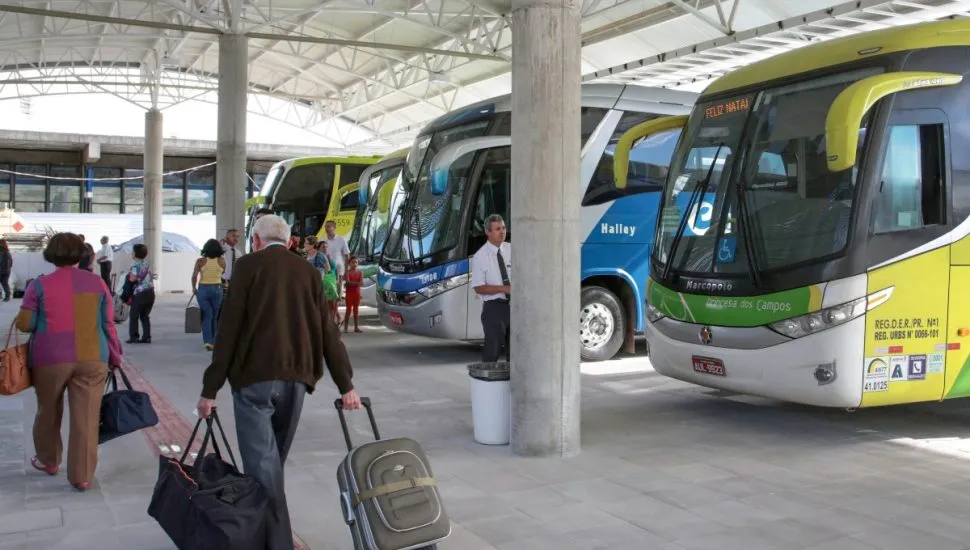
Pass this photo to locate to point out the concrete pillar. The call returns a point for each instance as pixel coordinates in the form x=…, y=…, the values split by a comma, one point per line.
x=231, y=135
x=545, y=221
x=154, y=156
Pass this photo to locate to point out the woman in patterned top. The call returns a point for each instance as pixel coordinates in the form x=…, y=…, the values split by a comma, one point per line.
x=70, y=318
x=143, y=298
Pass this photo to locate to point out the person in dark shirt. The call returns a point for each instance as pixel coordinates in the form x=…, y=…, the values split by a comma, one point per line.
x=274, y=338
x=6, y=266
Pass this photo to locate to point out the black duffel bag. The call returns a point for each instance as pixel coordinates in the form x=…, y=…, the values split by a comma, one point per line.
x=123, y=411
x=209, y=505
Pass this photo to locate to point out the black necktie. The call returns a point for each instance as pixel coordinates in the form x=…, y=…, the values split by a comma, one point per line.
x=503, y=270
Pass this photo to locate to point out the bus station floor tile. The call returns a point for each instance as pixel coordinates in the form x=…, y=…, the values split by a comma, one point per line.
x=664, y=465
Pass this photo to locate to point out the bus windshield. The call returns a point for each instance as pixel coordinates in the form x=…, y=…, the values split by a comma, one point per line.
x=752, y=179
x=430, y=223
x=370, y=227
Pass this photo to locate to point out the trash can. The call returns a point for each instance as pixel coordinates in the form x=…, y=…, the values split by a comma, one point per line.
x=491, y=402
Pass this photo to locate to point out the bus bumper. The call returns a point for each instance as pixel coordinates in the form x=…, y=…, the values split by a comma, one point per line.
x=785, y=371
x=441, y=316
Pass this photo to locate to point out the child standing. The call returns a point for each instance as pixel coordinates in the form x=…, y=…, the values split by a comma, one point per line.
x=353, y=279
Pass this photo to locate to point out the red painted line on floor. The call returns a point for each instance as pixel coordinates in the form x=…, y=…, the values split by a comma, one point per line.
x=173, y=427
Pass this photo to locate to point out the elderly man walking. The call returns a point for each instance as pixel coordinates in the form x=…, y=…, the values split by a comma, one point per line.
x=273, y=339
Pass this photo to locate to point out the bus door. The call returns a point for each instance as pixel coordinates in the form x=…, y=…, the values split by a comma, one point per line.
x=910, y=333
x=344, y=208
x=341, y=207
x=491, y=179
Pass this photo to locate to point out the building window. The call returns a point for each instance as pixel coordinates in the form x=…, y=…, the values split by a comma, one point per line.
x=30, y=188
x=5, y=178
x=255, y=185
x=201, y=191
x=173, y=193
x=107, y=193
x=134, y=191
x=65, y=194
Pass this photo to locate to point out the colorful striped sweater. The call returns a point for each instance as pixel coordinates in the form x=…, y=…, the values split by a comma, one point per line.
x=71, y=317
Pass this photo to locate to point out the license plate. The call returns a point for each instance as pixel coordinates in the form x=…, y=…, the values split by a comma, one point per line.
x=395, y=318
x=708, y=365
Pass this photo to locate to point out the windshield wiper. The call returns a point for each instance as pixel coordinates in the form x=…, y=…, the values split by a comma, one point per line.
x=747, y=227
x=699, y=191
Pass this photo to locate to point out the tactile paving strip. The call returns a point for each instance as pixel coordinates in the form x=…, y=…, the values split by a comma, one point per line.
x=173, y=428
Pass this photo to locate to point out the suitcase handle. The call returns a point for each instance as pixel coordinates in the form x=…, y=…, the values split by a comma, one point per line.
x=365, y=401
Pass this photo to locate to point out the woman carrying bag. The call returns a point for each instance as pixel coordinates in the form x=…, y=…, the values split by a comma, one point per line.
x=70, y=317
x=207, y=286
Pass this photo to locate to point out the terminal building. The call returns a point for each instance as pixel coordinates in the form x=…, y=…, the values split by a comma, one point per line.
x=93, y=184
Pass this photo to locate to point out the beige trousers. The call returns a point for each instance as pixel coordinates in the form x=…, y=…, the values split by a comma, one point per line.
x=84, y=383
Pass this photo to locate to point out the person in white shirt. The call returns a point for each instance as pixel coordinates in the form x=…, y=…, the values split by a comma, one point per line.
x=230, y=254
x=104, y=258
x=339, y=251
x=491, y=269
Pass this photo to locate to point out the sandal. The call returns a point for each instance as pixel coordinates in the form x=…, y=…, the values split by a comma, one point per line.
x=49, y=470
x=82, y=486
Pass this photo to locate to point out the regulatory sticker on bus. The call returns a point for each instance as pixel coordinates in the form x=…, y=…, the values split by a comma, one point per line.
x=875, y=386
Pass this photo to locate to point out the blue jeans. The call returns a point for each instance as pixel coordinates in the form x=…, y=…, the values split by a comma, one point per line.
x=267, y=414
x=210, y=300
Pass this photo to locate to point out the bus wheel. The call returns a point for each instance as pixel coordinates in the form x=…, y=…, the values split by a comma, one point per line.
x=601, y=324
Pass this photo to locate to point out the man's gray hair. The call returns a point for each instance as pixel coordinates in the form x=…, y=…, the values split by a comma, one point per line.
x=272, y=229
x=494, y=218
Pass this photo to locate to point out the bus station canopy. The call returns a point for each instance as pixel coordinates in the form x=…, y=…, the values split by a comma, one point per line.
x=369, y=73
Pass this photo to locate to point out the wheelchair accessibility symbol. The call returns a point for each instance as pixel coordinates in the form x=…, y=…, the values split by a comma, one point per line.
x=726, y=250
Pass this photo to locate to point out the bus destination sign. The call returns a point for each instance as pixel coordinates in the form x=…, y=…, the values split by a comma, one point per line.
x=717, y=110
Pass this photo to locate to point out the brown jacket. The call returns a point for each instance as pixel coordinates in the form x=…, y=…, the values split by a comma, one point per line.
x=275, y=326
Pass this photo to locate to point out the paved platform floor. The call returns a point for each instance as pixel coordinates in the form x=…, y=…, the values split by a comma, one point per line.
x=664, y=465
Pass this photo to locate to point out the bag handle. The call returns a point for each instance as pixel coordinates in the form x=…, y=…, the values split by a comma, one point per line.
x=209, y=435
x=13, y=332
x=112, y=382
x=365, y=401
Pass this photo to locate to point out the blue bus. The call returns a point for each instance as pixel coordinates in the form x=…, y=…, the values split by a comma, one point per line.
x=459, y=173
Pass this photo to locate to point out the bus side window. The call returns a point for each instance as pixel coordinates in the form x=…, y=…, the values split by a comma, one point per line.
x=912, y=186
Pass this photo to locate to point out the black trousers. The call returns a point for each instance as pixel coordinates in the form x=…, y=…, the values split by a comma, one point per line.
x=141, y=310
x=267, y=415
x=5, y=282
x=496, y=315
x=106, y=275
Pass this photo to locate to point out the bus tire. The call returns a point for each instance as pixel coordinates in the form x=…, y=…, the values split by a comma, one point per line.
x=602, y=324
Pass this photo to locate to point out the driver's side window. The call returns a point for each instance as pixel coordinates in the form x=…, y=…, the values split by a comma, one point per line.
x=494, y=195
x=911, y=193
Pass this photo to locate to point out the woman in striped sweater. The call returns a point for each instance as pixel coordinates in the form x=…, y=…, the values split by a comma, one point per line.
x=69, y=316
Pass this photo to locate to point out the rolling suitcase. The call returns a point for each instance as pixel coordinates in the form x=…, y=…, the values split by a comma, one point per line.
x=388, y=494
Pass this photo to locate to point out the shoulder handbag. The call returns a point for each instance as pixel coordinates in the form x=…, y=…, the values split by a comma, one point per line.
x=209, y=504
x=14, y=374
x=123, y=411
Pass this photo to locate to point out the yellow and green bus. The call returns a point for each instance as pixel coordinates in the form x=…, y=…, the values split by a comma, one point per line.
x=310, y=190
x=813, y=242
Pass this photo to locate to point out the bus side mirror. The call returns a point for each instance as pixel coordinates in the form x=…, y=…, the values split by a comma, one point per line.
x=843, y=121
x=439, y=181
x=621, y=154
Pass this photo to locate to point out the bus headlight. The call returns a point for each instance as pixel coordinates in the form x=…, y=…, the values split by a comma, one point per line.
x=445, y=285
x=653, y=314
x=797, y=327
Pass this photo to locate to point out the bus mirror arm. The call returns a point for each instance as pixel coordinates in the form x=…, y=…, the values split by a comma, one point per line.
x=844, y=119
x=621, y=154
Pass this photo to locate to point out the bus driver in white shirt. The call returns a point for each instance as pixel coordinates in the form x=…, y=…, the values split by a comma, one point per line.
x=491, y=269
